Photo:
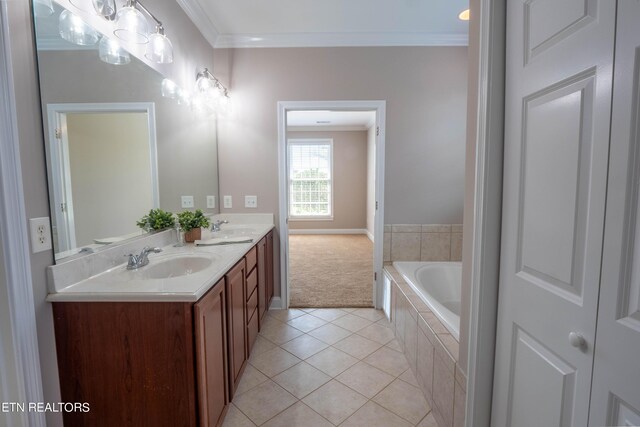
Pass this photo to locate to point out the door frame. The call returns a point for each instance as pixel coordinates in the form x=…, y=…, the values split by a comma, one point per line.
x=487, y=36
x=22, y=357
x=379, y=107
x=58, y=155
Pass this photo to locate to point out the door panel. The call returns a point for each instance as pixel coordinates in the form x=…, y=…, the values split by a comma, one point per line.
x=557, y=113
x=616, y=378
x=542, y=377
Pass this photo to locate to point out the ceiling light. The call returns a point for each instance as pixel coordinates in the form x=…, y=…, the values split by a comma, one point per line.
x=42, y=8
x=159, y=48
x=464, y=15
x=131, y=25
x=74, y=30
x=111, y=52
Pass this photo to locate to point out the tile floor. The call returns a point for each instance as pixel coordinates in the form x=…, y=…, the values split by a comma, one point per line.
x=328, y=367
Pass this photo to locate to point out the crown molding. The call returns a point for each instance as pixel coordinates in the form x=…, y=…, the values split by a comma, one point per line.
x=338, y=39
x=200, y=19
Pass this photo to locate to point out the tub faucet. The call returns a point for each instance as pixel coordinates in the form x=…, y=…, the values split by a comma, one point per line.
x=216, y=225
x=137, y=261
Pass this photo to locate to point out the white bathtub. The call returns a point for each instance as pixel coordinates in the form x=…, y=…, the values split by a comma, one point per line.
x=438, y=284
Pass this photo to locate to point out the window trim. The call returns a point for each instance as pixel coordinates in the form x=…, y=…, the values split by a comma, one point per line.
x=310, y=141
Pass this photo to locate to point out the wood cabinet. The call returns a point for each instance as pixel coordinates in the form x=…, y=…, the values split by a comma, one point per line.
x=210, y=320
x=162, y=363
x=262, y=279
x=132, y=362
x=236, y=303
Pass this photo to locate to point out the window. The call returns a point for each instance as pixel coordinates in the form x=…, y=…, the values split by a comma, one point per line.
x=310, y=178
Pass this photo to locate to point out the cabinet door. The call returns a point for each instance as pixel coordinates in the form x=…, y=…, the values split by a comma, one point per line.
x=236, y=306
x=262, y=279
x=211, y=355
x=269, y=269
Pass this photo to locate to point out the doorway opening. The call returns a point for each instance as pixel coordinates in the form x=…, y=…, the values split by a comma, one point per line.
x=93, y=151
x=331, y=167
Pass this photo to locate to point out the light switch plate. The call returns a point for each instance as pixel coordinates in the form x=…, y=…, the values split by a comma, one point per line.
x=228, y=202
x=40, y=229
x=211, y=202
x=250, y=201
x=187, y=201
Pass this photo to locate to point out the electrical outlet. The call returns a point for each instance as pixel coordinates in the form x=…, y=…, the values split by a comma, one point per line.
x=187, y=201
x=211, y=202
x=250, y=201
x=228, y=202
x=40, y=234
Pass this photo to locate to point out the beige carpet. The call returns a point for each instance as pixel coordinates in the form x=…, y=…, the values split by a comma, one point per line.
x=330, y=270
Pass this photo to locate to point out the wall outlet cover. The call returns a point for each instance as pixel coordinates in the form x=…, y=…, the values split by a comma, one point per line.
x=187, y=201
x=228, y=202
x=40, y=229
x=250, y=201
x=211, y=202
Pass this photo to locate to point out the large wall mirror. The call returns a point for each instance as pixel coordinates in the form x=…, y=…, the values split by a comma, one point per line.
x=116, y=147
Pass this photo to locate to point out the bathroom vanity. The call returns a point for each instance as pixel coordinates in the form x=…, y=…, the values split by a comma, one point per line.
x=163, y=350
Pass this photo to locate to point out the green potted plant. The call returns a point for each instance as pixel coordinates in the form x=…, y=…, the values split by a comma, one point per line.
x=192, y=223
x=156, y=220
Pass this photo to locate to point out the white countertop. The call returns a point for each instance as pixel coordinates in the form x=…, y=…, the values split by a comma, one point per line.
x=120, y=284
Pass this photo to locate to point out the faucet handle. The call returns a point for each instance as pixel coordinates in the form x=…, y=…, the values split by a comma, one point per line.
x=133, y=260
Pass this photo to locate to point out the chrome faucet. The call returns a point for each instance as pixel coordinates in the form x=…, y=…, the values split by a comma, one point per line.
x=137, y=261
x=216, y=225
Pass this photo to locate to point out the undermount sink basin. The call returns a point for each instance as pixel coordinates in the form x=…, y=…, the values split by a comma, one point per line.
x=175, y=267
x=233, y=232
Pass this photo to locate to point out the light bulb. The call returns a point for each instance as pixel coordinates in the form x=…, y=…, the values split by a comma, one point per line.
x=74, y=30
x=159, y=48
x=131, y=25
x=111, y=52
x=169, y=89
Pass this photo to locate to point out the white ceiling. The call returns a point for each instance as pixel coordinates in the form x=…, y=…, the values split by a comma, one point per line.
x=293, y=23
x=337, y=120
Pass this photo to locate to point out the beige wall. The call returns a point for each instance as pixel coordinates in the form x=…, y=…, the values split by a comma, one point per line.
x=349, y=180
x=194, y=51
x=371, y=179
x=109, y=153
x=425, y=89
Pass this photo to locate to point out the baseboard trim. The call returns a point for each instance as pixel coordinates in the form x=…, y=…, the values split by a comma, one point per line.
x=329, y=231
x=276, y=304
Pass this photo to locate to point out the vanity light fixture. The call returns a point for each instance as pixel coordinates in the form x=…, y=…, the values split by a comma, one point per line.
x=42, y=8
x=105, y=8
x=83, y=5
x=131, y=25
x=464, y=15
x=211, y=96
x=169, y=89
x=111, y=52
x=159, y=49
x=74, y=30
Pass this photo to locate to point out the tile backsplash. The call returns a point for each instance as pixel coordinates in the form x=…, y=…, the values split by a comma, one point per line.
x=422, y=242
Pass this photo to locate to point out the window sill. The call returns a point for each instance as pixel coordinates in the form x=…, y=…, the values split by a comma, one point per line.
x=310, y=218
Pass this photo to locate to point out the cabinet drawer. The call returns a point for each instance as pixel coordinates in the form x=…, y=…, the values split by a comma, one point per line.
x=252, y=303
x=251, y=258
x=252, y=283
x=252, y=330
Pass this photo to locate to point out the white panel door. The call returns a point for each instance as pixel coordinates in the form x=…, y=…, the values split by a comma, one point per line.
x=615, y=398
x=557, y=112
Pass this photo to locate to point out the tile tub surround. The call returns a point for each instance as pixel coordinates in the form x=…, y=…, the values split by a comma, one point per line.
x=431, y=350
x=328, y=375
x=422, y=242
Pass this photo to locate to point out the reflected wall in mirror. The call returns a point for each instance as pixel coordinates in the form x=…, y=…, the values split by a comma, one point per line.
x=115, y=146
